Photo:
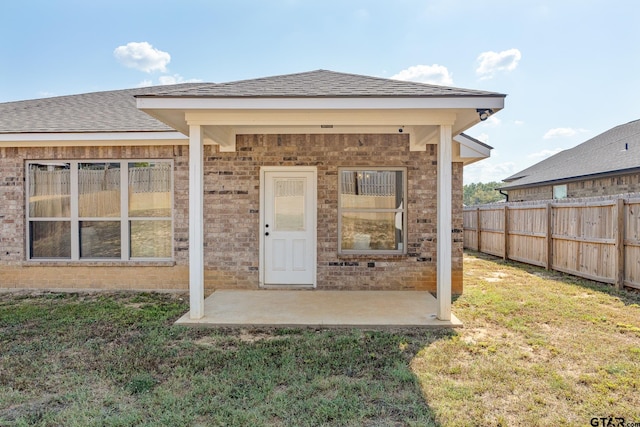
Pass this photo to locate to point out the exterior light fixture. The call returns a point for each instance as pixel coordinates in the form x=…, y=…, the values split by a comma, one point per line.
x=484, y=113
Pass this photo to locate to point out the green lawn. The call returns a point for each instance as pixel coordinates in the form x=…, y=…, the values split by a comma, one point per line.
x=537, y=348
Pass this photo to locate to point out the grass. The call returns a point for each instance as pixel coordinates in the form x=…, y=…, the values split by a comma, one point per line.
x=117, y=360
x=538, y=348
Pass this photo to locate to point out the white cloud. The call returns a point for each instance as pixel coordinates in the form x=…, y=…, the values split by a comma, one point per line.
x=174, y=79
x=491, y=122
x=544, y=154
x=483, y=137
x=518, y=122
x=488, y=171
x=432, y=74
x=142, y=56
x=489, y=63
x=168, y=80
x=562, y=132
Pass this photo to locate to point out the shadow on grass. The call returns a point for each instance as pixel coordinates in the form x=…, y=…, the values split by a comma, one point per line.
x=117, y=359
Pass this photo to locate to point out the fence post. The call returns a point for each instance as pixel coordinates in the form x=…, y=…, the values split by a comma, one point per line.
x=620, y=250
x=549, y=236
x=478, y=228
x=506, y=233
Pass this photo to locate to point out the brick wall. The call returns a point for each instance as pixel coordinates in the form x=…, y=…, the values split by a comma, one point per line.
x=232, y=210
x=16, y=273
x=622, y=184
x=232, y=216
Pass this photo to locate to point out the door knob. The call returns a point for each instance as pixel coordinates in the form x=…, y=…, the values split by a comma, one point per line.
x=266, y=234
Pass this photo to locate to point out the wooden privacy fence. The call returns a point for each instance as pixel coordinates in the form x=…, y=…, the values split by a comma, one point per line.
x=597, y=240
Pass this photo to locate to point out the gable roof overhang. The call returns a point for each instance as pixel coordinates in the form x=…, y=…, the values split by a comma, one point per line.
x=313, y=102
x=319, y=101
x=470, y=149
x=224, y=118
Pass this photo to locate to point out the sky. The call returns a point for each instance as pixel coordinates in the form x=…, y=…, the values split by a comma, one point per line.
x=570, y=68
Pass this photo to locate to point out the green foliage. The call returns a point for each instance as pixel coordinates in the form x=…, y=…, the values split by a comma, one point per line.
x=480, y=194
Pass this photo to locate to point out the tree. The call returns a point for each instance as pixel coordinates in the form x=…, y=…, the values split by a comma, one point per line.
x=480, y=194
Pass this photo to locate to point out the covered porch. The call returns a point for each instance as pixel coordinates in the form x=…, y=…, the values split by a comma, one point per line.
x=320, y=309
x=242, y=118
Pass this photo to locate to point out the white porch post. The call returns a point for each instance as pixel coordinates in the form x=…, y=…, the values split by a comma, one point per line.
x=444, y=224
x=196, y=222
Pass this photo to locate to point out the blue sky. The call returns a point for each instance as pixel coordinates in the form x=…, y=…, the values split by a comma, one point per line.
x=571, y=69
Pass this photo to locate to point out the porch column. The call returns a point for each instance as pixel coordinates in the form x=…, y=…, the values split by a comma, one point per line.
x=444, y=224
x=196, y=222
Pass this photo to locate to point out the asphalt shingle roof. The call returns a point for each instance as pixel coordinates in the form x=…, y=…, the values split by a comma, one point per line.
x=320, y=83
x=617, y=149
x=111, y=111
x=116, y=111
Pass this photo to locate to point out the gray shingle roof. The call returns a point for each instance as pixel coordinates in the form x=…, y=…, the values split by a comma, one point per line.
x=112, y=111
x=116, y=111
x=319, y=83
x=615, y=150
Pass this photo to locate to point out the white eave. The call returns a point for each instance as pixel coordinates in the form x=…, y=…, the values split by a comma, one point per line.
x=223, y=118
x=65, y=139
x=471, y=150
x=319, y=103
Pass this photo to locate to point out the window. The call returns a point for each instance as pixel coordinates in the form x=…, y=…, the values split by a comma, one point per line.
x=89, y=210
x=560, y=191
x=372, y=210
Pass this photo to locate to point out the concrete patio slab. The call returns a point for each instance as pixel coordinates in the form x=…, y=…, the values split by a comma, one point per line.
x=313, y=308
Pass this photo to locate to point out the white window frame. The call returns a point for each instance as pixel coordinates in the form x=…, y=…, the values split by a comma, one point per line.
x=403, y=211
x=74, y=219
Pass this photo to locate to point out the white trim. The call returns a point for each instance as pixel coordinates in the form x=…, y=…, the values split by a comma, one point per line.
x=314, y=219
x=320, y=117
x=471, y=149
x=402, y=210
x=75, y=219
x=91, y=136
x=125, y=227
x=317, y=129
x=444, y=226
x=196, y=222
x=74, y=202
x=367, y=103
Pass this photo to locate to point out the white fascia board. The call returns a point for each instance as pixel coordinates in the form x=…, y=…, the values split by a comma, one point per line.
x=90, y=136
x=201, y=103
x=471, y=149
x=40, y=139
x=320, y=117
x=257, y=130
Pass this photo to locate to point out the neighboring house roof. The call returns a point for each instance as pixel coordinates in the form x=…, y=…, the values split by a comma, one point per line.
x=615, y=151
x=111, y=111
x=319, y=83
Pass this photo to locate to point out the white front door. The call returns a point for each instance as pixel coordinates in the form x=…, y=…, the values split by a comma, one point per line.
x=288, y=245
